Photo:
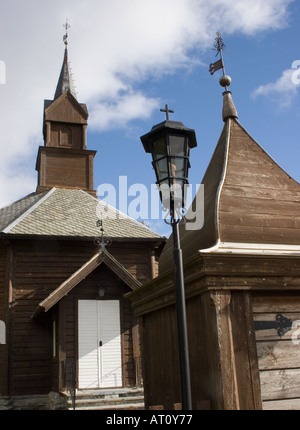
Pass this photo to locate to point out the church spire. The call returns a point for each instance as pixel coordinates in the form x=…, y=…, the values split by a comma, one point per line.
x=65, y=81
x=229, y=110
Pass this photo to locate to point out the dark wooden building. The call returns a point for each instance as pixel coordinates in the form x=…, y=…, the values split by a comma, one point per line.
x=242, y=284
x=67, y=322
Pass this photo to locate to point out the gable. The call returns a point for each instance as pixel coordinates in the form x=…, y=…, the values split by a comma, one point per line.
x=101, y=257
x=66, y=109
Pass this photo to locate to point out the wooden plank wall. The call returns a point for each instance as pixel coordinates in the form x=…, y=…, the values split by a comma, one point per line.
x=278, y=356
x=39, y=268
x=161, y=360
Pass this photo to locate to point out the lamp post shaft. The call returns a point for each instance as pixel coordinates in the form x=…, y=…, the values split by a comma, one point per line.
x=181, y=322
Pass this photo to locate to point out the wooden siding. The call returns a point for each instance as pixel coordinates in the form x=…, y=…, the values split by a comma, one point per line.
x=259, y=203
x=39, y=268
x=278, y=356
x=223, y=361
x=61, y=167
x=74, y=134
x=225, y=355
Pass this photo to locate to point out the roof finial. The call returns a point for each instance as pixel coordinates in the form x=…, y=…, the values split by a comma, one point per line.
x=219, y=46
x=229, y=110
x=66, y=26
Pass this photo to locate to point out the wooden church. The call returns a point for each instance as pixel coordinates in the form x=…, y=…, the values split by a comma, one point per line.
x=68, y=325
x=242, y=287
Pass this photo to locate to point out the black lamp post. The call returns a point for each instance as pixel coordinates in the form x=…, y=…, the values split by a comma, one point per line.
x=169, y=143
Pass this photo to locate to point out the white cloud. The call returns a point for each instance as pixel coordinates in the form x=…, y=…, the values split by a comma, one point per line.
x=114, y=46
x=117, y=112
x=283, y=91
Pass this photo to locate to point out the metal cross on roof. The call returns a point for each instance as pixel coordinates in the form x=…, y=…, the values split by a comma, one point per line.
x=102, y=241
x=167, y=111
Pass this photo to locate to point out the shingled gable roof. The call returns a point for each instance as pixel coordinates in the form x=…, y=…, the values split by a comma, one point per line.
x=99, y=258
x=250, y=203
x=69, y=213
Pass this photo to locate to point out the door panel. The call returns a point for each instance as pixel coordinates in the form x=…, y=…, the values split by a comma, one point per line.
x=99, y=344
x=110, y=351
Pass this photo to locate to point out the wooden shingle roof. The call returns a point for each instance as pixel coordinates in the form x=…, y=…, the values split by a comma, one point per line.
x=250, y=202
x=69, y=213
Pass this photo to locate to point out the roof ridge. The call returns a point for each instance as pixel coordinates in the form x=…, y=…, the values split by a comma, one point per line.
x=27, y=212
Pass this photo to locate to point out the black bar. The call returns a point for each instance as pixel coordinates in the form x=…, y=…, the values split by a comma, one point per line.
x=181, y=323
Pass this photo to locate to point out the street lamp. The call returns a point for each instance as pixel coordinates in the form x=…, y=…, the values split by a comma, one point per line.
x=169, y=143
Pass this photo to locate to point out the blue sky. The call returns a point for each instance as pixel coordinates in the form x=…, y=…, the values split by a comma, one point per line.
x=131, y=58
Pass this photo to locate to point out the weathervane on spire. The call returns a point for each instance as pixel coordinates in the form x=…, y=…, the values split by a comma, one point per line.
x=219, y=46
x=66, y=26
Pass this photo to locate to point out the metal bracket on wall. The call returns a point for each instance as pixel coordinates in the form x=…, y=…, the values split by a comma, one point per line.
x=281, y=323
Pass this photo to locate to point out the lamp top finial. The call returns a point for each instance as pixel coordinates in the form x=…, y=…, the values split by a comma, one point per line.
x=167, y=111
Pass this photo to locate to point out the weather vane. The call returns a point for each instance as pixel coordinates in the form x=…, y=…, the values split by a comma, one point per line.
x=167, y=111
x=66, y=26
x=219, y=46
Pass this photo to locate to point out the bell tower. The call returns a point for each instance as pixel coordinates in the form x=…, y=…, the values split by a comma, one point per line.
x=64, y=161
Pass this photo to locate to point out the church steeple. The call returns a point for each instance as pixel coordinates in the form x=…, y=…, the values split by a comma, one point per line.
x=64, y=161
x=65, y=81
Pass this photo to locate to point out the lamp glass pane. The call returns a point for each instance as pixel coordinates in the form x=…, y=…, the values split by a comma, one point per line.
x=159, y=149
x=161, y=169
x=165, y=194
x=177, y=167
x=176, y=146
x=178, y=192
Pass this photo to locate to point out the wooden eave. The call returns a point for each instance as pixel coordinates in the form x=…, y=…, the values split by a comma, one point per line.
x=78, y=276
x=221, y=272
x=18, y=236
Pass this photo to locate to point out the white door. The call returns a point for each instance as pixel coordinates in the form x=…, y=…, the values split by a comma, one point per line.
x=99, y=344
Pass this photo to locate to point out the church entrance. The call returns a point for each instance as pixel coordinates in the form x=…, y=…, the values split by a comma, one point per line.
x=99, y=344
